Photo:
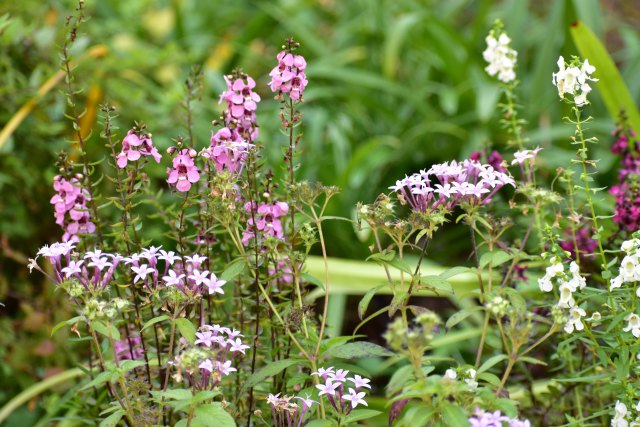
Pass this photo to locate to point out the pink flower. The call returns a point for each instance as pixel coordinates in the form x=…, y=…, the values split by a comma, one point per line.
x=134, y=147
x=184, y=171
x=289, y=76
x=267, y=220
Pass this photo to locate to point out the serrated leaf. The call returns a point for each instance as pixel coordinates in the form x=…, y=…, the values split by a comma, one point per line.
x=437, y=284
x=357, y=350
x=366, y=299
x=454, y=415
x=273, y=368
x=187, y=329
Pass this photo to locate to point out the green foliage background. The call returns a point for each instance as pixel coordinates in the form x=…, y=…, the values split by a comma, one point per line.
x=394, y=86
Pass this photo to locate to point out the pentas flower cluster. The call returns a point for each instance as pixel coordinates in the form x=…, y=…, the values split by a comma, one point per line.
x=344, y=393
x=242, y=102
x=572, y=78
x=482, y=418
x=267, y=220
x=211, y=356
x=227, y=151
x=623, y=417
x=626, y=191
x=289, y=76
x=448, y=184
x=289, y=411
x=501, y=58
x=70, y=206
x=629, y=269
x=567, y=284
x=184, y=172
x=135, y=146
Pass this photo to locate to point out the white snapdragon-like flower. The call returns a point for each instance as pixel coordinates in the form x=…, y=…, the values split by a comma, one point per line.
x=633, y=325
x=471, y=378
x=619, y=418
x=572, y=80
x=450, y=375
x=629, y=270
x=574, y=322
x=501, y=58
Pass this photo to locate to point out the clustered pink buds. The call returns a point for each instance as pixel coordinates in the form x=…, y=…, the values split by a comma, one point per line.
x=289, y=76
x=71, y=211
x=448, y=184
x=335, y=385
x=184, y=172
x=267, y=218
x=134, y=147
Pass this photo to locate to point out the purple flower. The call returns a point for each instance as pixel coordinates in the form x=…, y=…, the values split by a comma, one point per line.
x=173, y=279
x=242, y=102
x=70, y=206
x=267, y=220
x=184, y=172
x=355, y=398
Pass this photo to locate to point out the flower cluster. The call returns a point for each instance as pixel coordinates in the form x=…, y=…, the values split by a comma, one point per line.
x=468, y=375
x=242, y=102
x=135, y=146
x=129, y=348
x=267, y=220
x=501, y=58
x=287, y=412
x=482, y=418
x=211, y=356
x=227, y=151
x=629, y=270
x=572, y=78
x=70, y=205
x=448, y=184
x=567, y=284
x=627, y=213
x=622, y=416
x=335, y=382
x=184, y=172
x=289, y=76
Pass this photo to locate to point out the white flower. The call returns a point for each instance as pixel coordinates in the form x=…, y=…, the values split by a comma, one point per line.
x=450, y=374
x=628, y=245
x=616, y=282
x=545, y=284
x=573, y=79
x=618, y=419
x=575, y=320
x=633, y=325
x=566, y=296
x=501, y=58
x=355, y=398
x=471, y=378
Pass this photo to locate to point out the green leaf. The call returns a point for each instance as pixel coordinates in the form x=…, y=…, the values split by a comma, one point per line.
x=366, y=299
x=155, y=320
x=66, y=322
x=213, y=415
x=273, y=368
x=322, y=423
x=532, y=360
x=100, y=379
x=437, y=283
x=454, y=272
x=360, y=414
x=454, y=415
x=128, y=365
x=613, y=89
x=357, y=350
x=236, y=267
x=186, y=328
x=106, y=330
x=306, y=277
x=491, y=362
x=459, y=316
x=495, y=258
x=113, y=419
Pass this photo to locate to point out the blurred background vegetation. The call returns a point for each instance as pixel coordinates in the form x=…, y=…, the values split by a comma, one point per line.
x=395, y=85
